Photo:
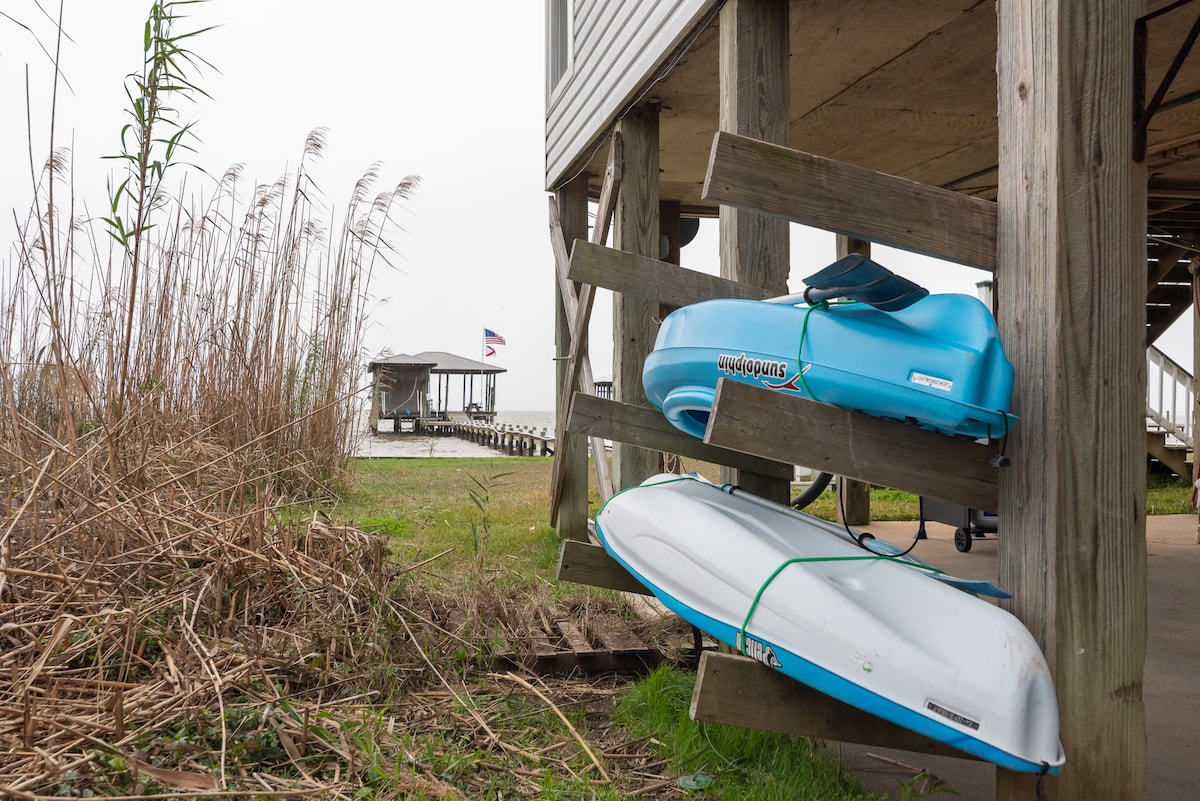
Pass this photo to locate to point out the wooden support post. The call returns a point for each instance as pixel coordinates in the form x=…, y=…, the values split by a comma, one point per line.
x=1071, y=254
x=754, y=57
x=853, y=497
x=1195, y=268
x=636, y=230
x=572, y=518
x=669, y=231
x=577, y=305
x=578, y=361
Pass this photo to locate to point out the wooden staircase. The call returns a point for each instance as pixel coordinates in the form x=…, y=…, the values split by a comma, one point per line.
x=1173, y=217
x=1169, y=402
x=1169, y=286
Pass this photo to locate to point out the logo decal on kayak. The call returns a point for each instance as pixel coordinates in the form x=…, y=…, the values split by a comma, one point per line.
x=755, y=368
x=762, y=652
x=931, y=381
x=961, y=720
x=792, y=384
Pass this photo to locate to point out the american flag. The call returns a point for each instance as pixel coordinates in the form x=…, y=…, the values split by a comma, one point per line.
x=490, y=337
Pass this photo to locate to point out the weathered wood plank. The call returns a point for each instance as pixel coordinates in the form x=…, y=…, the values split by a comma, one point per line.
x=613, y=173
x=584, y=563
x=619, y=640
x=851, y=200
x=1196, y=387
x=569, y=298
x=1168, y=258
x=577, y=307
x=635, y=229
x=622, y=422
x=625, y=650
x=1072, y=316
x=546, y=653
x=652, y=279
x=587, y=656
x=570, y=474
x=853, y=497
x=871, y=449
x=542, y=646
x=740, y=691
x=754, y=67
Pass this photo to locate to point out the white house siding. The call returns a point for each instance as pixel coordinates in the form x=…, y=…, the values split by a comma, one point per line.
x=617, y=46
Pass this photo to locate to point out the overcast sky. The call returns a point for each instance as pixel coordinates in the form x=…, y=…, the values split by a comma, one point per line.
x=451, y=92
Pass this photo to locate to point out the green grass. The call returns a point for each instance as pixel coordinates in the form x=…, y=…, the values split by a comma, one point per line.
x=485, y=521
x=491, y=515
x=488, y=513
x=886, y=504
x=1167, y=495
x=734, y=763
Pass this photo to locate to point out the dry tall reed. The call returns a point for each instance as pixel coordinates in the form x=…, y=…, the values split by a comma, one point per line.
x=164, y=402
x=151, y=575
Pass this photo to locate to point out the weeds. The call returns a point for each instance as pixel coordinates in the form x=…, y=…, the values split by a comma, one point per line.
x=173, y=386
x=731, y=763
x=480, y=496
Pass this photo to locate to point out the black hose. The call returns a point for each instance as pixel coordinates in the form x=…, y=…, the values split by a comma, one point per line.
x=814, y=490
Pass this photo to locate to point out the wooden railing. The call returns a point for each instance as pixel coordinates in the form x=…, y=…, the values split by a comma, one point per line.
x=1169, y=398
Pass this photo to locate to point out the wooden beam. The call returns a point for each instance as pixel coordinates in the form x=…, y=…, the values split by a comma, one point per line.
x=853, y=497
x=647, y=428
x=740, y=691
x=635, y=229
x=1180, y=188
x=652, y=279
x=569, y=298
x=754, y=62
x=577, y=372
x=1071, y=248
x=1166, y=257
x=570, y=518
x=580, y=320
x=584, y=563
x=1196, y=377
x=883, y=452
x=851, y=200
x=613, y=172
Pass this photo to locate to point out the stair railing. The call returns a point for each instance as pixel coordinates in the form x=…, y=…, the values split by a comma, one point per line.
x=1169, y=398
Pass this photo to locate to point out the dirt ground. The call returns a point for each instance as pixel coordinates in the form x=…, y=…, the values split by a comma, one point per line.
x=1172, y=673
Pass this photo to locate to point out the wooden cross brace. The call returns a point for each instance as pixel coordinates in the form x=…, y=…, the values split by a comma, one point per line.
x=578, y=307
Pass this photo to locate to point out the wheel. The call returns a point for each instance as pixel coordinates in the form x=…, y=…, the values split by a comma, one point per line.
x=962, y=540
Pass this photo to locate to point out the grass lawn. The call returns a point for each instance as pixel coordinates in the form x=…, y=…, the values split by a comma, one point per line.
x=477, y=561
x=479, y=557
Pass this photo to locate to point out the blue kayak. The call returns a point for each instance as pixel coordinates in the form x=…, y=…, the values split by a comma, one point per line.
x=938, y=363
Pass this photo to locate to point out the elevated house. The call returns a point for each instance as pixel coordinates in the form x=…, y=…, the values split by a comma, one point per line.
x=417, y=391
x=1055, y=143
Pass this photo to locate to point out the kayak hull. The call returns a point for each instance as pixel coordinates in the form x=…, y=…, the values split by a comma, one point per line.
x=875, y=632
x=938, y=363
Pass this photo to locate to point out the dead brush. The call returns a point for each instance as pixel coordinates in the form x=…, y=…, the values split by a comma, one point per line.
x=173, y=638
x=173, y=388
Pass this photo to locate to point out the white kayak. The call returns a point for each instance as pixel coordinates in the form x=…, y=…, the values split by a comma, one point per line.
x=873, y=630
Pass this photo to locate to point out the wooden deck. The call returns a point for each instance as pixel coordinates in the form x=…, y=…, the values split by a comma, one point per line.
x=508, y=439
